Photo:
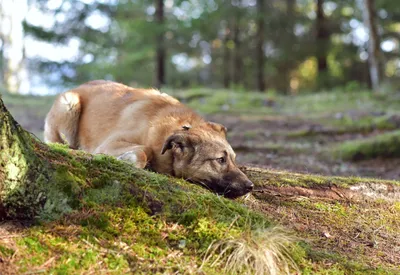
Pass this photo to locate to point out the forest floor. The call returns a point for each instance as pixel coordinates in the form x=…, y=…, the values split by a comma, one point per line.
x=294, y=133
x=308, y=181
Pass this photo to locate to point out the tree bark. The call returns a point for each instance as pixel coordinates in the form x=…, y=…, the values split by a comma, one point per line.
x=260, y=55
x=237, y=59
x=226, y=57
x=22, y=171
x=374, y=52
x=322, y=41
x=160, y=55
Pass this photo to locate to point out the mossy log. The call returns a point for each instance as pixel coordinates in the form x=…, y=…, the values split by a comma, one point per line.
x=37, y=180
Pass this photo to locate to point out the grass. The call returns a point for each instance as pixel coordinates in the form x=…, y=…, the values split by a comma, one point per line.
x=307, y=104
x=385, y=145
x=265, y=252
x=230, y=101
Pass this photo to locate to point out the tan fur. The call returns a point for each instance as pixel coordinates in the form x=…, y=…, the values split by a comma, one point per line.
x=146, y=127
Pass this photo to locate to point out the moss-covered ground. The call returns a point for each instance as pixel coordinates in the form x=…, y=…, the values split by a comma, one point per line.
x=128, y=220
x=134, y=221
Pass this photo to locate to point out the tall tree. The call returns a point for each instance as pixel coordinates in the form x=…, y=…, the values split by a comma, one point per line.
x=237, y=58
x=12, y=38
x=160, y=55
x=288, y=62
x=226, y=55
x=260, y=55
x=322, y=40
x=374, y=51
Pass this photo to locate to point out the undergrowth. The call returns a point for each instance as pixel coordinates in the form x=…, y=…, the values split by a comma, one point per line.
x=386, y=145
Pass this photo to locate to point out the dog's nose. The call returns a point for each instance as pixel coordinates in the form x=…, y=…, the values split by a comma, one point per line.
x=249, y=186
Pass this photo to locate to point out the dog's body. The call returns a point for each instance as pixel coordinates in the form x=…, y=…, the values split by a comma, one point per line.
x=146, y=127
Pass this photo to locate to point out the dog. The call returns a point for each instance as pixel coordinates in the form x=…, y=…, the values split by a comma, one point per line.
x=149, y=129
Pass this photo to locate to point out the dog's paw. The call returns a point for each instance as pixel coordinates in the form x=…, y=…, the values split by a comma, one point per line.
x=132, y=157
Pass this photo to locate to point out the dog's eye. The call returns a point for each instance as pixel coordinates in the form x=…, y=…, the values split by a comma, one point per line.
x=221, y=160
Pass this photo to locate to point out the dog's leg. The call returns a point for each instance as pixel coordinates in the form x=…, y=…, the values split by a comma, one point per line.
x=139, y=155
x=63, y=118
x=51, y=133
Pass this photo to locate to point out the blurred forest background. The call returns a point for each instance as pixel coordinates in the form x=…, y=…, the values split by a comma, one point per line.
x=285, y=46
x=304, y=85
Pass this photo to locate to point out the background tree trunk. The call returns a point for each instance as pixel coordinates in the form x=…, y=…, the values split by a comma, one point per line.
x=288, y=62
x=14, y=73
x=260, y=45
x=322, y=42
x=374, y=51
x=227, y=57
x=160, y=55
x=237, y=58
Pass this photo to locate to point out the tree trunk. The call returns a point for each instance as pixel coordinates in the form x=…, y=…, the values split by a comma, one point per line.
x=35, y=180
x=226, y=57
x=22, y=172
x=160, y=55
x=237, y=59
x=14, y=73
x=291, y=38
x=374, y=52
x=322, y=41
x=260, y=56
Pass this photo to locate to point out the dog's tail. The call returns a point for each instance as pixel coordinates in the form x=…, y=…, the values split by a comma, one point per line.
x=62, y=122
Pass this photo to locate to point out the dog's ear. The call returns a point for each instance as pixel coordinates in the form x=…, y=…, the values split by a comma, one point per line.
x=176, y=140
x=218, y=127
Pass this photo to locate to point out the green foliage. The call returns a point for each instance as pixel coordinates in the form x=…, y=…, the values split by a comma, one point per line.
x=124, y=49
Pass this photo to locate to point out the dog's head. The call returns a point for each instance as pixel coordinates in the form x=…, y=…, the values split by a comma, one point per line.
x=202, y=155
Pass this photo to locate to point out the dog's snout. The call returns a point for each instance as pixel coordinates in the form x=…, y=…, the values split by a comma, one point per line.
x=249, y=186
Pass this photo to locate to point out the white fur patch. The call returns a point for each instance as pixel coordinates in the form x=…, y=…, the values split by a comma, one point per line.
x=70, y=100
x=128, y=156
x=46, y=131
x=157, y=92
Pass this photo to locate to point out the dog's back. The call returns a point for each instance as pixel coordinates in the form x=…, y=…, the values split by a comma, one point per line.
x=91, y=113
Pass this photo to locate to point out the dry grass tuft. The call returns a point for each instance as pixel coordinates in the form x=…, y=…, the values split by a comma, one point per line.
x=256, y=253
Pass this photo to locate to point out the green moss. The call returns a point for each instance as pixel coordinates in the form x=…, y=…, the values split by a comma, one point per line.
x=5, y=251
x=59, y=148
x=128, y=219
x=384, y=145
x=336, y=208
x=262, y=177
x=107, y=194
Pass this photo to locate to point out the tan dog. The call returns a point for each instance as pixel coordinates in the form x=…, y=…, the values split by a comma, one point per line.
x=147, y=128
